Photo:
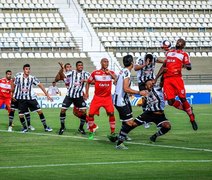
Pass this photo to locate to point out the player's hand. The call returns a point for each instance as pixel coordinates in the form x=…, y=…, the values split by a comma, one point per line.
x=13, y=99
x=61, y=64
x=144, y=93
x=85, y=96
x=49, y=98
x=147, y=62
x=154, y=81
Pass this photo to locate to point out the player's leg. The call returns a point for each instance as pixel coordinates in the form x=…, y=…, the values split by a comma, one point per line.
x=188, y=109
x=14, y=107
x=81, y=114
x=33, y=106
x=161, y=121
x=23, y=108
x=65, y=105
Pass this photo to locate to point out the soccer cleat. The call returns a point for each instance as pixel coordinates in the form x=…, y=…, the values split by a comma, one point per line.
x=121, y=146
x=153, y=138
x=10, y=129
x=128, y=138
x=91, y=136
x=31, y=128
x=48, y=129
x=24, y=130
x=112, y=137
x=61, y=131
x=194, y=125
x=146, y=125
x=82, y=131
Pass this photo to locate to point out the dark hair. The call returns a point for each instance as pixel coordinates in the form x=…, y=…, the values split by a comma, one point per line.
x=149, y=79
x=67, y=64
x=53, y=82
x=7, y=71
x=149, y=56
x=26, y=65
x=127, y=60
x=79, y=62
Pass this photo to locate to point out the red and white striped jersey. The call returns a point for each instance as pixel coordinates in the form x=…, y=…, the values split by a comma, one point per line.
x=103, y=82
x=5, y=88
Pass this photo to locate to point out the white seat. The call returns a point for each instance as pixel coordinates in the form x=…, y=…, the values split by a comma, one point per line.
x=83, y=55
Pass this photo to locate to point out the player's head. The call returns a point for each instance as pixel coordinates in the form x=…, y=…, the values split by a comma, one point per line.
x=79, y=65
x=8, y=74
x=148, y=56
x=127, y=60
x=26, y=69
x=53, y=83
x=180, y=44
x=104, y=63
x=149, y=83
x=67, y=67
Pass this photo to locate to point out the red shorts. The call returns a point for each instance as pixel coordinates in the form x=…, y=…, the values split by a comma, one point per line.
x=174, y=86
x=98, y=102
x=6, y=101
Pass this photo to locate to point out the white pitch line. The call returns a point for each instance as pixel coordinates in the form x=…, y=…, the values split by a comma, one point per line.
x=106, y=163
x=127, y=142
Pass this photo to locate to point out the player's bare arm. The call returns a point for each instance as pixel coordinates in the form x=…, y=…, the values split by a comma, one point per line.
x=138, y=67
x=40, y=85
x=161, y=71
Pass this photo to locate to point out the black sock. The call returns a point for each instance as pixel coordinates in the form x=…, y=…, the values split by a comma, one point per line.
x=43, y=120
x=23, y=122
x=62, y=120
x=82, y=121
x=28, y=118
x=11, y=117
x=125, y=129
x=162, y=131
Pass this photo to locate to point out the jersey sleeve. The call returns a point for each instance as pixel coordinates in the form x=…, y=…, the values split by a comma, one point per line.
x=91, y=77
x=139, y=61
x=35, y=81
x=126, y=74
x=186, y=59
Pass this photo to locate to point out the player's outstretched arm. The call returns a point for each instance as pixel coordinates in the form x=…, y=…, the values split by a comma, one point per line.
x=161, y=71
x=40, y=85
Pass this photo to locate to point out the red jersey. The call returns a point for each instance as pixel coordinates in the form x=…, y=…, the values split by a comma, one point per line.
x=175, y=59
x=103, y=82
x=5, y=88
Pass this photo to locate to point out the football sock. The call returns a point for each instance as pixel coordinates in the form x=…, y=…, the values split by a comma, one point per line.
x=23, y=122
x=82, y=121
x=188, y=110
x=162, y=131
x=112, y=122
x=125, y=129
x=62, y=120
x=177, y=104
x=28, y=118
x=43, y=120
x=11, y=117
x=90, y=121
x=138, y=121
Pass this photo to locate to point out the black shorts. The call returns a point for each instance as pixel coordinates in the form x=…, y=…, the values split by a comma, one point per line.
x=78, y=102
x=25, y=105
x=14, y=105
x=148, y=116
x=125, y=112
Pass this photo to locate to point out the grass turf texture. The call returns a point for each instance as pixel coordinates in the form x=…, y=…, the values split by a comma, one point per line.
x=182, y=153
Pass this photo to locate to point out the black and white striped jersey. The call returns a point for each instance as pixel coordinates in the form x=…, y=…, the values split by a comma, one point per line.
x=24, y=87
x=76, y=82
x=155, y=99
x=148, y=71
x=121, y=98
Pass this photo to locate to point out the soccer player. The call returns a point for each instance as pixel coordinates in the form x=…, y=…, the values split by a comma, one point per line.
x=176, y=59
x=102, y=80
x=76, y=80
x=145, y=67
x=5, y=90
x=53, y=90
x=24, y=94
x=121, y=100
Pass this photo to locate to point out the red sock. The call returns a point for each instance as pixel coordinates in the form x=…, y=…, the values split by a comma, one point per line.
x=188, y=110
x=177, y=104
x=112, y=122
x=90, y=121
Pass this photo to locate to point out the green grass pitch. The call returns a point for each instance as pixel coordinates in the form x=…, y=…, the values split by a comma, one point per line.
x=180, y=154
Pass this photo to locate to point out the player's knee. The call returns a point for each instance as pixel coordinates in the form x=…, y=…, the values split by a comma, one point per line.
x=166, y=125
x=110, y=114
x=79, y=112
x=171, y=102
